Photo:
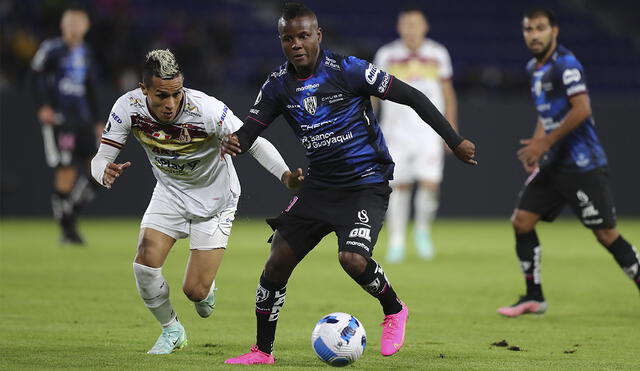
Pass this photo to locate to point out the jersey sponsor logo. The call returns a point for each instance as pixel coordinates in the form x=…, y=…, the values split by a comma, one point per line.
x=543, y=107
x=383, y=85
x=293, y=106
x=364, y=233
x=333, y=98
x=582, y=160
x=107, y=128
x=324, y=140
x=68, y=86
x=135, y=102
x=331, y=63
x=192, y=110
x=363, y=216
x=315, y=126
x=310, y=104
x=571, y=75
x=371, y=74
x=307, y=87
x=172, y=167
x=254, y=111
x=225, y=110
x=165, y=152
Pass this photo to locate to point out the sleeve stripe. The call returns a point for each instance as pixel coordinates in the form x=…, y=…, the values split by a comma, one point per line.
x=578, y=93
x=258, y=121
x=388, y=87
x=112, y=143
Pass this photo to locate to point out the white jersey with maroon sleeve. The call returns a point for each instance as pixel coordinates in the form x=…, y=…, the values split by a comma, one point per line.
x=184, y=154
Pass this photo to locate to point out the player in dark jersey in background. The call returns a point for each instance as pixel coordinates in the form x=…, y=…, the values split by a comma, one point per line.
x=325, y=98
x=566, y=161
x=64, y=84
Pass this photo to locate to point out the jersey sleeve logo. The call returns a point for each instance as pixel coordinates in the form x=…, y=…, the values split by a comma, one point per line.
x=571, y=75
x=371, y=74
x=258, y=98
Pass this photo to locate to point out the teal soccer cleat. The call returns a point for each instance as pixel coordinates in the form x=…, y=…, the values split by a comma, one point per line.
x=206, y=306
x=172, y=338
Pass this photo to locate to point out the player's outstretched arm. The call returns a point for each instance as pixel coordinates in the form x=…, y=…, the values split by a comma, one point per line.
x=103, y=169
x=403, y=93
x=240, y=141
x=269, y=157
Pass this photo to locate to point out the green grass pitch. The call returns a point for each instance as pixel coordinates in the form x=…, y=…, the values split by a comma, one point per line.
x=78, y=308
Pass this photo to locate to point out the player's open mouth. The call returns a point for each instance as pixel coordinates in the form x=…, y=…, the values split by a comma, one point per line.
x=298, y=57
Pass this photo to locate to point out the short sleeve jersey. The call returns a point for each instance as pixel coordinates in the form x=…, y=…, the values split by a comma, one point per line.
x=66, y=74
x=330, y=113
x=552, y=85
x=184, y=154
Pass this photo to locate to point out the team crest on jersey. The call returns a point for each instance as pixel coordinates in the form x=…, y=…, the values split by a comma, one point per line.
x=310, y=104
x=184, y=136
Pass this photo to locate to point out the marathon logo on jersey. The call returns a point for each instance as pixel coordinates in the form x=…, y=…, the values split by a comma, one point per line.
x=277, y=306
x=307, y=87
x=310, y=104
x=571, y=75
x=371, y=74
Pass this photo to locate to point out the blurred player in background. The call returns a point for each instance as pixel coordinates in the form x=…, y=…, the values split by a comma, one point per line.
x=417, y=150
x=63, y=75
x=197, y=190
x=565, y=159
x=325, y=98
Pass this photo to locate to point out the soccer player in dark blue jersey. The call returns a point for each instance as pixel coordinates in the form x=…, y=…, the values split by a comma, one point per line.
x=566, y=161
x=64, y=85
x=325, y=98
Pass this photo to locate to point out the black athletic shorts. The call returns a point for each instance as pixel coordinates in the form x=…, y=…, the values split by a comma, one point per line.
x=66, y=145
x=354, y=214
x=547, y=191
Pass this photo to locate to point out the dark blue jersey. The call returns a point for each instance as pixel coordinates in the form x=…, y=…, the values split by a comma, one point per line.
x=552, y=84
x=330, y=113
x=64, y=79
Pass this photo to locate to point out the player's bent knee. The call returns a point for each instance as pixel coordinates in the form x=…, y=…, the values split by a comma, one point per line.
x=522, y=223
x=606, y=236
x=352, y=263
x=195, y=293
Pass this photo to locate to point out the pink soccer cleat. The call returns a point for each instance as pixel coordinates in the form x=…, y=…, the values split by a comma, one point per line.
x=393, y=328
x=254, y=357
x=524, y=306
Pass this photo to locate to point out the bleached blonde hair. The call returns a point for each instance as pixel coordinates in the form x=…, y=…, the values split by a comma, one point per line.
x=161, y=63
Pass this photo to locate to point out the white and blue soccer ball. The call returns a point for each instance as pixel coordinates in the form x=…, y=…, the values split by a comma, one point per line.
x=338, y=339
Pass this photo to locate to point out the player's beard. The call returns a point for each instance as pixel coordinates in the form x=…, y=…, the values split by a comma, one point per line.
x=540, y=55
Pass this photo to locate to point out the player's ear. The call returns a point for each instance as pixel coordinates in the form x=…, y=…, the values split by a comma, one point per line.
x=319, y=35
x=555, y=31
x=143, y=88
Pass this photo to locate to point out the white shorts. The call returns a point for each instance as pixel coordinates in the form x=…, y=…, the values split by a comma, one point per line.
x=417, y=161
x=206, y=233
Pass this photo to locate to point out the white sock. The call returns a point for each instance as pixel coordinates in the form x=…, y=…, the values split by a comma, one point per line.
x=154, y=291
x=397, y=216
x=426, y=206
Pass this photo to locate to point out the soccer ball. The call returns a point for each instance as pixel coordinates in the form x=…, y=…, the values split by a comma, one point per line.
x=338, y=339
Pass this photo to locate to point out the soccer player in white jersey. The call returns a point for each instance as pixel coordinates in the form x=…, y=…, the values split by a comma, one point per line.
x=197, y=189
x=417, y=149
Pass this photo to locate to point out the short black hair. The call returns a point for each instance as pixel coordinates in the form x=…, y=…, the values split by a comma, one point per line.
x=295, y=10
x=412, y=8
x=160, y=63
x=544, y=12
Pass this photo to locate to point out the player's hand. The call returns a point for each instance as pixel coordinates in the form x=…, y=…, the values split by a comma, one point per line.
x=292, y=180
x=112, y=172
x=529, y=168
x=533, y=149
x=466, y=152
x=230, y=145
x=46, y=115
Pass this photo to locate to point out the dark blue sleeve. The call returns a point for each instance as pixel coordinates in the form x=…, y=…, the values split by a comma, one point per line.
x=570, y=74
x=365, y=78
x=261, y=115
x=40, y=66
